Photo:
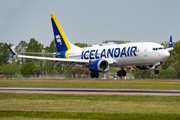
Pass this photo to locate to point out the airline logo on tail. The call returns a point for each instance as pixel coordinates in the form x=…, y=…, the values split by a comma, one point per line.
x=62, y=43
x=58, y=39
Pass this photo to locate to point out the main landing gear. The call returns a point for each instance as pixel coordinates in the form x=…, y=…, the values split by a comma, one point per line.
x=121, y=72
x=94, y=75
x=156, y=71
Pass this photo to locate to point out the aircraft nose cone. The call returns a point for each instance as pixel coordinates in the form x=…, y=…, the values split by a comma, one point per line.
x=165, y=55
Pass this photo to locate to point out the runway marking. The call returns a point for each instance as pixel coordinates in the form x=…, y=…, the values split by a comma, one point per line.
x=90, y=91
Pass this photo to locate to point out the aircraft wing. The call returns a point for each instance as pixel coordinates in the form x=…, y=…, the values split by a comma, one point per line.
x=63, y=60
x=40, y=53
x=56, y=59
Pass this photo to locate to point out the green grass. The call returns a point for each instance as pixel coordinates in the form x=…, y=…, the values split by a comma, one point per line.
x=86, y=115
x=93, y=83
x=102, y=107
x=55, y=106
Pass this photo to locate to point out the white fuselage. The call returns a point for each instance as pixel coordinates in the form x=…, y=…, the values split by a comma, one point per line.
x=130, y=54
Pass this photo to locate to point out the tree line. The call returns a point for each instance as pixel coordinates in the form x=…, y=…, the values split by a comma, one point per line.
x=22, y=66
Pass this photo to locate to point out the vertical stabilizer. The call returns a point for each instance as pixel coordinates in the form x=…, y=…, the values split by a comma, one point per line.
x=62, y=43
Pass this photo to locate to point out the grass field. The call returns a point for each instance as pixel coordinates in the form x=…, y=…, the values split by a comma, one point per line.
x=93, y=83
x=25, y=106
x=101, y=107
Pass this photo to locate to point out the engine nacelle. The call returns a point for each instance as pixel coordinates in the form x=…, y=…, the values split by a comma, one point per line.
x=99, y=66
x=145, y=67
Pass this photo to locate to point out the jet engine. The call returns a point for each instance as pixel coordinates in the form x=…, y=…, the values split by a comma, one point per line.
x=99, y=66
x=145, y=67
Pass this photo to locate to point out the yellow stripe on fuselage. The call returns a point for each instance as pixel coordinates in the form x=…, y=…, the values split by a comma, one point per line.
x=61, y=31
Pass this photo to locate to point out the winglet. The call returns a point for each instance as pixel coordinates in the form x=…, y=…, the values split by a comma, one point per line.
x=170, y=48
x=170, y=42
x=13, y=54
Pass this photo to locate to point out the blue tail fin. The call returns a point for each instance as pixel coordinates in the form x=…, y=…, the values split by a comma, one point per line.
x=62, y=43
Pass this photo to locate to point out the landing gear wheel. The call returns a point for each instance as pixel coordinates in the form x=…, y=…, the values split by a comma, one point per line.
x=121, y=73
x=94, y=75
x=156, y=71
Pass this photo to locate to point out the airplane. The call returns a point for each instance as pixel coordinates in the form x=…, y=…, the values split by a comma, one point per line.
x=143, y=55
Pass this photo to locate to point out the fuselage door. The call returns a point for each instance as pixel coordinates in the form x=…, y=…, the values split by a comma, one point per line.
x=146, y=51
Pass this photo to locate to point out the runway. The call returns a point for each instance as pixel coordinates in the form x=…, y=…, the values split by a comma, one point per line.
x=90, y=91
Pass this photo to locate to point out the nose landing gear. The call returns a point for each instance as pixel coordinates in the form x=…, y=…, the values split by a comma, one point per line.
x=156, y=71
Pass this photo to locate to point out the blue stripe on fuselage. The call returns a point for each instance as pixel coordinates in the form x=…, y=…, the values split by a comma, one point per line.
x=111, y=52
x=62, y=54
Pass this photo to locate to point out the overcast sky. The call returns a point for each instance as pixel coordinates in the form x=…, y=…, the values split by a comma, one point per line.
x=90, y=21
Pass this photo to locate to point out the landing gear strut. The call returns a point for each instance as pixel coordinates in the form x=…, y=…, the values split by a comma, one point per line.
x=94, y=75
x=156, y=71
x=121, y=72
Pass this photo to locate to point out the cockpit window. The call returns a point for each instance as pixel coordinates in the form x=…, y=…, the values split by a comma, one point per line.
x=159, y=48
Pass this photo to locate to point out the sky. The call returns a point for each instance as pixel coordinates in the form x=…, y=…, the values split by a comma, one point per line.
x=90, y=21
